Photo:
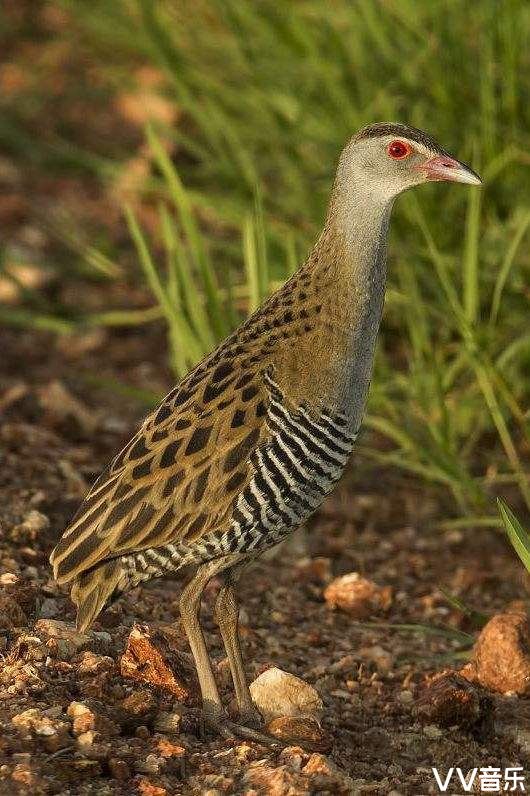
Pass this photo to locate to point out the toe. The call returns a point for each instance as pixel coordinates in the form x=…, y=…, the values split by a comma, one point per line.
x=251, y=717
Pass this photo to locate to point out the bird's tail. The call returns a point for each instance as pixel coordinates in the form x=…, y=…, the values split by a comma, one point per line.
x=93, y=589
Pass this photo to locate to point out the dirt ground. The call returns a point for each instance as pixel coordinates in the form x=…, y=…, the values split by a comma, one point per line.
x=80, y=714
x=382, y=727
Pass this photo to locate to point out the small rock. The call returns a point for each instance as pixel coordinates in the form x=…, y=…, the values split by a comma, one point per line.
x=140, y=703
x=118, y=769
x=86, y=739
x=90, y=663
x=501, y=655
x=432, y=731
x=68, y=640
x=151, y=765
x=320, y=765
x=34, y=522
x=376, y=654
x=54, y=733
x=146, y=788
x=293, y=756
x=60, y=406
x=168, y=749
x=302, y=730
x=357, y=596
x=83, y=718
x=49, y=608
x=168, y=723
x=278, y=694
x=450, y=700
x=102, y=636
x=8, y=579
x=314, y=570
x=142, y=661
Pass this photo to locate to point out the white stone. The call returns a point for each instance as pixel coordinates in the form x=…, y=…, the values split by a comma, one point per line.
x=277, y=693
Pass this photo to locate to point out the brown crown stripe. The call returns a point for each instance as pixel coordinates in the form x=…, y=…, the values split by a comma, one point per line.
x=403, y=130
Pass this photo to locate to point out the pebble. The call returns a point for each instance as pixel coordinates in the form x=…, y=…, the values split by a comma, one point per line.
x=432, y=731
x=357, y=596
x=314, y=570
x=320, y=764
x=277, y=694
x=35, y=521
x=118, y=769
x=501, y=655
x=49, y=608
x=139, y=703
x=450, y=700
x=302, y=730
x=68, y=640
x=142, y=661
x=167, y=723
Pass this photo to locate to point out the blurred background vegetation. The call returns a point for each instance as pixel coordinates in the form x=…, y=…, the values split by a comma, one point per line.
x=169, y=162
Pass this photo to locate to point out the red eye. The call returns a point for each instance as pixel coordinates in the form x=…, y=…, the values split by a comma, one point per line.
x=399, y=150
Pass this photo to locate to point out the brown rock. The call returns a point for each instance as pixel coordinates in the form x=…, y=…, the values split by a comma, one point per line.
x=269, y=779
x=66, y=640
x=90, y=663
x=450, y=700
x=314, y=570
x=119, y=769
x=11, y=614
x=301, y=730
x=85, y=720
x=52, y=733
x=293, y=756
x=140, y=703
x=331, y=777
x=168, y=723
x=146, y=788
x=278, y=694
x=501, y=655
x=142, y=661
x=357, y=596
x=60, y=406
x=168, y=749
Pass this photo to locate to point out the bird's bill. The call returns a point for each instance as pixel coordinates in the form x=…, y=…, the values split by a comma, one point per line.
x=443, y=167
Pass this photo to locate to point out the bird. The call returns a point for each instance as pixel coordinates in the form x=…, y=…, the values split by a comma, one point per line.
x=247, y=446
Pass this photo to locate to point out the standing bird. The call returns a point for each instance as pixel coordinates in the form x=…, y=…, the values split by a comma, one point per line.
x=247, y=446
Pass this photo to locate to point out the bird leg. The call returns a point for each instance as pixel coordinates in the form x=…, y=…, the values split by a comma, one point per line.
x=213, y=713
x=189, y=604
x=226, y=614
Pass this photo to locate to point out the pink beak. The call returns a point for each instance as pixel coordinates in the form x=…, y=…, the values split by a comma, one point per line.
x=444, y=167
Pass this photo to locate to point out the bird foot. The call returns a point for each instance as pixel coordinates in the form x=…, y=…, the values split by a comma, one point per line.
x=226, y=728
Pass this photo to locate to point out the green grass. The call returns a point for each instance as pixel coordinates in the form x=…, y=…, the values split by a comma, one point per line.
x=268, y=93
x=518, y=536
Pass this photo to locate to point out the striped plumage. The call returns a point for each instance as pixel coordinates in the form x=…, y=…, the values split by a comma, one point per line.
x=248, y=445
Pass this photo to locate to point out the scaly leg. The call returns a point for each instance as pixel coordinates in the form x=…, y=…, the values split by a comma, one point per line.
x=189, y=604
x=226, y=614
x=190, y=600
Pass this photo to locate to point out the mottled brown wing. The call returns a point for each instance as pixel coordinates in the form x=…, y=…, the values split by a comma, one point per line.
x=179, y=476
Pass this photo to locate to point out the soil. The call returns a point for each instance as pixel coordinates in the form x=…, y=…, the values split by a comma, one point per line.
x=78, y=715
x=382, y=730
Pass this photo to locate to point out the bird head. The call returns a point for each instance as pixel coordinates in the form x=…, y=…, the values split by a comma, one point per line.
x=390, y=158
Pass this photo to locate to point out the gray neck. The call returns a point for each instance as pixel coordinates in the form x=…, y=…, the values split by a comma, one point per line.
x=360, y=222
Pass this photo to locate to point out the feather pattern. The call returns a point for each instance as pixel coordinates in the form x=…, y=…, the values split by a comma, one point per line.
x=187, y=486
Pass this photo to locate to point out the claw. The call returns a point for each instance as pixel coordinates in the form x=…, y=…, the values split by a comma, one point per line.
x=231, y=729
